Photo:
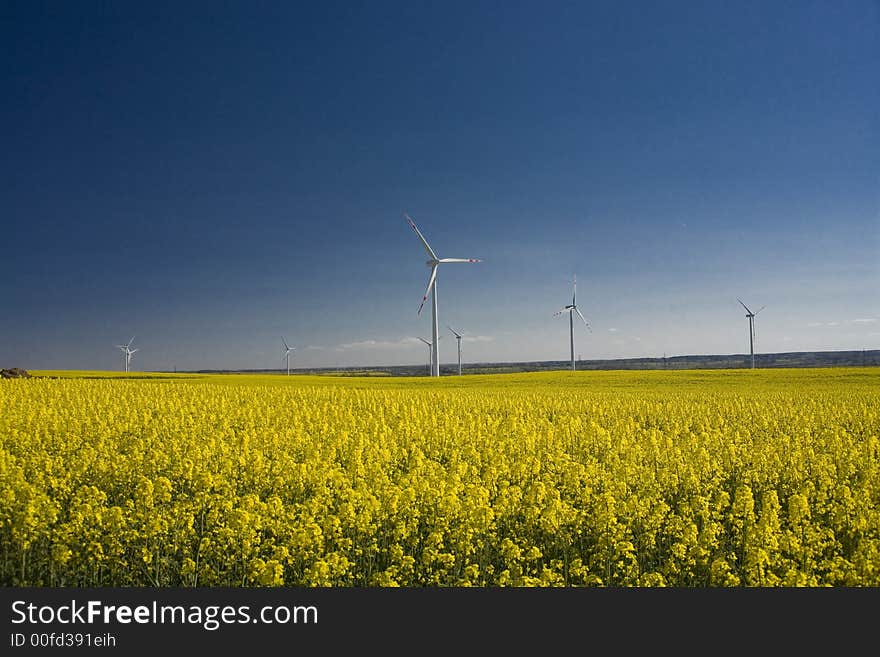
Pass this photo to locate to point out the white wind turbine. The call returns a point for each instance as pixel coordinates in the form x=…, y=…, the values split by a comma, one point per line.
x=751, y=316
x=128, y=351
x=287, y=350
x=433, y=263
x=571, y=309
x=430, y=353
x=457, y=337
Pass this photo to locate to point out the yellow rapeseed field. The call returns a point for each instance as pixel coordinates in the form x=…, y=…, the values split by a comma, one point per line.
x=692, y=479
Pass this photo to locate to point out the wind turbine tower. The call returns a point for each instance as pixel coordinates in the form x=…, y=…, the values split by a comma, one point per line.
x=457, y=337
x=571, y=309
x=751, y=316
x=433, y=263
x=430, y=355
x=128, y=351
x=287, y=350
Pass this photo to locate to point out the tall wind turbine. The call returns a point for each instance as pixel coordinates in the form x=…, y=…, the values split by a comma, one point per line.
x=287, y=350
x=571, y=309
x=751, y=316
x=457, y=337
x=433, y=263
x=128, y=351
x=430, y=354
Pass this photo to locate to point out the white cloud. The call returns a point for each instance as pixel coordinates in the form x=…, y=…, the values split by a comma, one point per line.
x=314, y=347
x=862, y=321
x=477, y=338
x=612, y=330
x=378, y=344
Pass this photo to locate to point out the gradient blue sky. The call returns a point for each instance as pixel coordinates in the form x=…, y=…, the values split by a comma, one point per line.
x=212, y=176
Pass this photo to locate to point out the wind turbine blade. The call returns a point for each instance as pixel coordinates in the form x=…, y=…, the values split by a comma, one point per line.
x=744, y=305
x=574, y=288
x=577, y=310
x=760, y=309
x=421, y=237
x=458, y=335
x=428, y=289
x=562, y=310
x=130, y=341
x=285, y=343
x=460, y=260
x=425, y=341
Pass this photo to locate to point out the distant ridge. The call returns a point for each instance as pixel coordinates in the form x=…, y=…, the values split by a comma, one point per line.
x=857, y=358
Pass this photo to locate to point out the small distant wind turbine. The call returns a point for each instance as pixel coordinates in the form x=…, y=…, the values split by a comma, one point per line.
x=433, y=263
x=751, y=316
x=571, y=309
x=128, y=351
x=430, y=354
x=457, y=337
x=287, y=350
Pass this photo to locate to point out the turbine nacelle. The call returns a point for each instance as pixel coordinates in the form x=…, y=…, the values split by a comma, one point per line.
x=749, y=313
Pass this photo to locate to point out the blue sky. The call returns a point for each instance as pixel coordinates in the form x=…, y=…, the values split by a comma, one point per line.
x=214, y=176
